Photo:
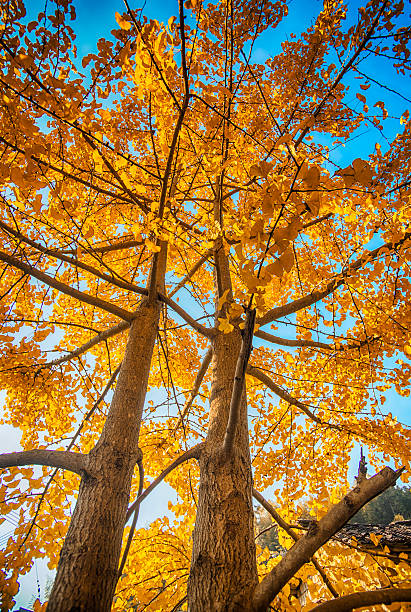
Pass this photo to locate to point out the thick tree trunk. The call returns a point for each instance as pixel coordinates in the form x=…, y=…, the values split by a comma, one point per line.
x=87, y=569
x=223, y=571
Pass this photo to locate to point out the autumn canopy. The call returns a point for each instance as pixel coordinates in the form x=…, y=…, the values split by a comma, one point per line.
x=204, y=278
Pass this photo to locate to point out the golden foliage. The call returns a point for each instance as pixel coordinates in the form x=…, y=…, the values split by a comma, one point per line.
x=247, y=160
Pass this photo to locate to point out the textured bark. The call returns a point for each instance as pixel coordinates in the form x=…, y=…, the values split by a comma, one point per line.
x=223, y=571
x=364, y=599
x=75, y=462
x=87, y=569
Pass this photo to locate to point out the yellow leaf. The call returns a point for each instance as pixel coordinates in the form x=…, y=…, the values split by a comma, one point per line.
x=362, y=172
x=123, y=23
x=287, y=260
x=152, y=246
x=223, y=299
x=283, y=139
x=267, y=205
x=312, y=177
x=255, y=171
x=38, y=607
x=225, y=326
x=348, y=175
x=265, y=168
x=375, y=539
x=274, y=268
x=235, y=310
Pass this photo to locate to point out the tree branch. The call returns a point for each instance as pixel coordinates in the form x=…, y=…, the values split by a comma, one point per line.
x=204, y=331
x=73, y=262
x=74, y=462
x=135, y=517
x=266, y=380
x=104, y=335
x=364, y=599
x=239, y=377
x=278, y=519
x=298, y=343
x=344, y=69
x=108, y=248
x=197, y=384
x=70, y=446
x=95, y=405
x=319, y=533
x=114, y=173
x=48, y=166
x=331, y=286
x=192, y=453
x=74, y=293
x=98, y=302
x=313, y=343
x=191, y=272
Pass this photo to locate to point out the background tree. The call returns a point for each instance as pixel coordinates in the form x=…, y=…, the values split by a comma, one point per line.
x=386, y=507
x=178, y=164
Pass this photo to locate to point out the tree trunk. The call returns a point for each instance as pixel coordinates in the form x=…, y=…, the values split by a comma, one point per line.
x=87, y=569
x=223, y=571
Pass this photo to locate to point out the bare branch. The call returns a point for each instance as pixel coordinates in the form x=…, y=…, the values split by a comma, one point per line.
x=183, y=51
x=317, y=220
x=314, y=343
x=239, y=377
x=152, y=286
x=108, y=248
x=319, y=533
x=364, y=599
x=298, y=343
x=178, y=605
x=192, y=453
x=278, y=519
x=74, y=462
x=197, y=384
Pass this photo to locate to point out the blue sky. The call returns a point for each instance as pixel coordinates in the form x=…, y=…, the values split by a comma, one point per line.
x=95, y=20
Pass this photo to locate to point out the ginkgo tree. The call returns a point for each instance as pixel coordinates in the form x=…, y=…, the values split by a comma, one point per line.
x=195, y=289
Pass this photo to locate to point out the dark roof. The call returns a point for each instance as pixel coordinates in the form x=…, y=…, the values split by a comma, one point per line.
x=395, y=535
